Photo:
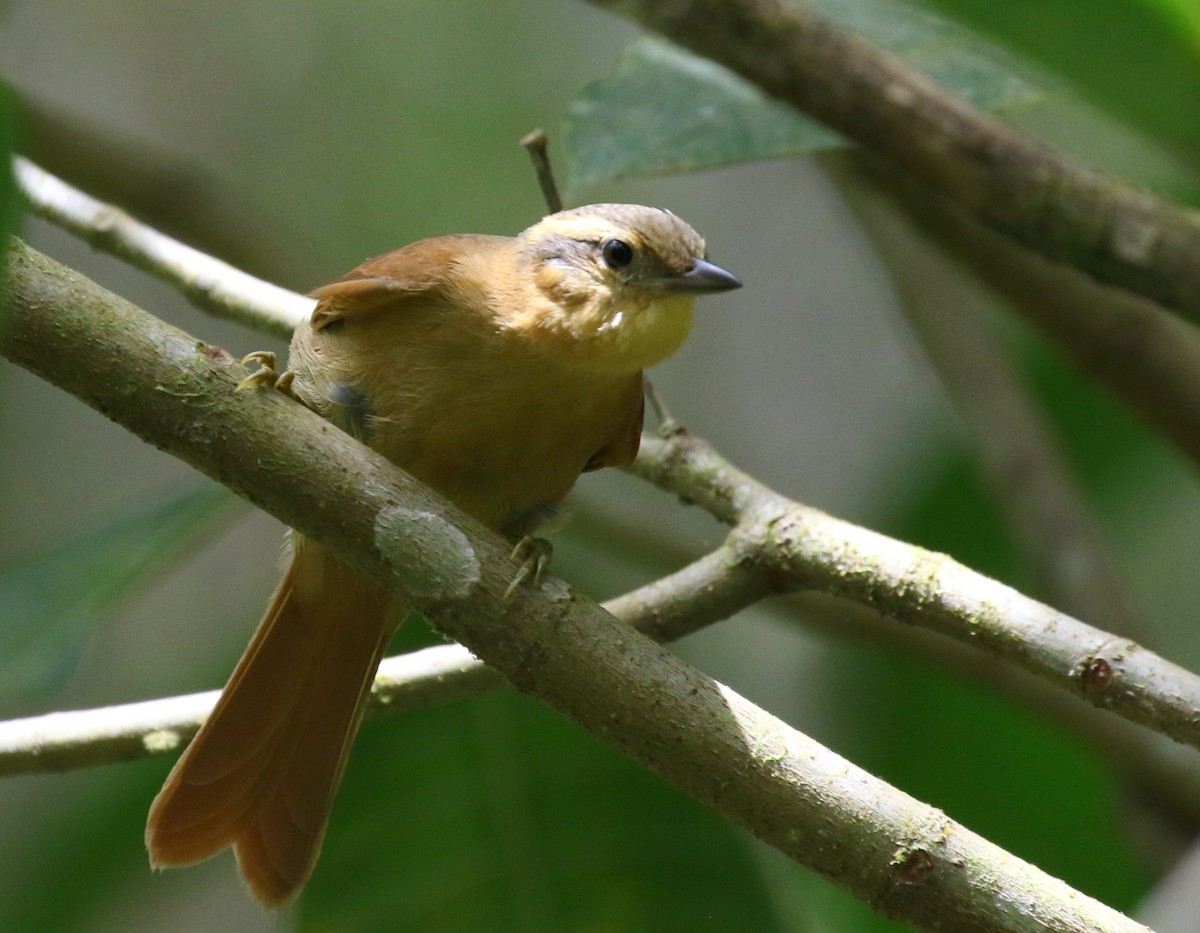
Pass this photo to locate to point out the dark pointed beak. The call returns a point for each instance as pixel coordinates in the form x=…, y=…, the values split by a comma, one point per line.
x=703, y=278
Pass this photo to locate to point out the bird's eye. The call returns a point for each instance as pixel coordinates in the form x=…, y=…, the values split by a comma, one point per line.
x=617, y=253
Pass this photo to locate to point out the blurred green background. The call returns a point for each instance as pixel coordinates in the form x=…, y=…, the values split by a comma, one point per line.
x=295, y=139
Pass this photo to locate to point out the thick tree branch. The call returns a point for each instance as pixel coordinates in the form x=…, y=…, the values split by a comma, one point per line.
x=906, y=859
x=1010, y=181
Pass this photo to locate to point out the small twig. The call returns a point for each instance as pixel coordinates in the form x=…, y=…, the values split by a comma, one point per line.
x=667, y=425
x=208, y=283
x=537, y=145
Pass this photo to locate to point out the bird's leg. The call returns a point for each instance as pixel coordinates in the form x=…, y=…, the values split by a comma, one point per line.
x=533, y=552
x=534, y=555
x=266, y=375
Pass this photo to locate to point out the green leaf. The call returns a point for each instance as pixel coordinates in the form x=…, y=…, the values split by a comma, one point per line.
x=666, y=110
x=498, y=815
x=50, y=603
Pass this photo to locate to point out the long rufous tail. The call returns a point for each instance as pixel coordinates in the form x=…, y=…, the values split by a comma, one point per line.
x=261, y=774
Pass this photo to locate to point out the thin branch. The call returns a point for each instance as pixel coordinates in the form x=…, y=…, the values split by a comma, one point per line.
x=1009, y=181
x=700, y=594
x=215, y=286
x=801, y=548
x=1156, y=768
x=1161, y=772
x=908, y=860
x=81, y=738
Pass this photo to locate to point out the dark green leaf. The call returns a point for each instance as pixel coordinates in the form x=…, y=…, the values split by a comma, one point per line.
x=666, y=110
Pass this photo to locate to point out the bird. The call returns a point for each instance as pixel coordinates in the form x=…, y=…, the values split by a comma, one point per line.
x=495, y=370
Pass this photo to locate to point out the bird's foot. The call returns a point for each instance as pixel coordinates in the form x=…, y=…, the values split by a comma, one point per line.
x=534, y=555
x=266, y=375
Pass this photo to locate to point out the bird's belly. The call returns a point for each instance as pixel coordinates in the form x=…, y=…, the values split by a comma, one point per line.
x=503, y=460
x=499, y=483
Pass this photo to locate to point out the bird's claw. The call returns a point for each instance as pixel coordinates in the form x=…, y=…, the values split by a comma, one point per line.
x=266, y=375
x=534, y=554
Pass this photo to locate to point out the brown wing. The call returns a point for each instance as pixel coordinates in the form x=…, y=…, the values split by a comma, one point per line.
x=623, y=448
x=417, y=271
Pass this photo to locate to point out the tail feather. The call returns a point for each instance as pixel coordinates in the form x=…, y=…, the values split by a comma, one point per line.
x=261, y=774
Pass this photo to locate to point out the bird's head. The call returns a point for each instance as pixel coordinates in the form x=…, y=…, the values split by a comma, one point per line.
x=615, y=283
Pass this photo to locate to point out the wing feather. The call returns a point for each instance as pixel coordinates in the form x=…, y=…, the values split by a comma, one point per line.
x=414, y=273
